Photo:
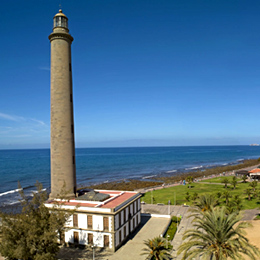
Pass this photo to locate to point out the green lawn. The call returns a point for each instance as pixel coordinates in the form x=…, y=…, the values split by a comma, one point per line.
x=219, y=179
x=179, y=192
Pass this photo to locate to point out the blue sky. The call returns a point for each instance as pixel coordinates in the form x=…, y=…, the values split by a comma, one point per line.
x=145, y=72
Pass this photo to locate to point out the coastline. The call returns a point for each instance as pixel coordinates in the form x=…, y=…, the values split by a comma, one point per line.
x=173, y=179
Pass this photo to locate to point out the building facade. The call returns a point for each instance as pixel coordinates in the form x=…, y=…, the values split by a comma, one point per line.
x=105, y=222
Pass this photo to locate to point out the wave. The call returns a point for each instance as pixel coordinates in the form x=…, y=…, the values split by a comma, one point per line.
x=148, y=177
x=171, y=171
x=9, y=192
x=194, y=168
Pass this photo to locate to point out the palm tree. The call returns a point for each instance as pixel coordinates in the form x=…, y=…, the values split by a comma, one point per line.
x=189, y=179
x=156, y=249
x=204, y=203
x=253, y=184
x=235, y=205
x=225, y=181
x=187, y=197
x=244, y=178
x=249, y=192
x=217, y=235
x=234, y=182
x=194, y=196
x=226, y=195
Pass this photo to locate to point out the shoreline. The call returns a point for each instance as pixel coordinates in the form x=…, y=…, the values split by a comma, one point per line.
x=150, y=181
x=174, y=179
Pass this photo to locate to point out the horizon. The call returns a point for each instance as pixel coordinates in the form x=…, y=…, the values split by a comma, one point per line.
x=126, y=147
x=145, y=74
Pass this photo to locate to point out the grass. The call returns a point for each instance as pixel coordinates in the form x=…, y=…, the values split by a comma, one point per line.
x=219, y=179
x=180, y=192
x=172, y=228
x=257, y=217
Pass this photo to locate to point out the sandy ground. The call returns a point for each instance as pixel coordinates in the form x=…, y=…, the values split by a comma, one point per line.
x=253, y=234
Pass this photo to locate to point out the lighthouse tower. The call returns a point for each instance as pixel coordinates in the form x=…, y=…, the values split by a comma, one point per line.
x=63, y=170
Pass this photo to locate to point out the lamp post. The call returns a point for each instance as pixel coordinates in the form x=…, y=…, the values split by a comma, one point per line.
x=169, y=203
x=93, y=252
x=178, y=215
x=167, y=237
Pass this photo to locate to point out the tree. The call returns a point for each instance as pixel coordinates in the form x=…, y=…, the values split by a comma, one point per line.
x=194, y=196
x=157, y=249
x=187, y=197
x=249, y=192
x=205, y=203
x=217, y=235
x=234, y=182
x=253, y=184
x=244, y=178
x=225, y=181
x=189, y=180
x=226, y=195
x=235, y=205
x=34, y=232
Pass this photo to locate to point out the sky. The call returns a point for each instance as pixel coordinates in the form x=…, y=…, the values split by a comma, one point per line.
x=145, y=72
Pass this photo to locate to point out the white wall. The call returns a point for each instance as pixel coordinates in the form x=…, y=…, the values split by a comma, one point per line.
x=82, y=221
x=98, y=237
x=97, y=222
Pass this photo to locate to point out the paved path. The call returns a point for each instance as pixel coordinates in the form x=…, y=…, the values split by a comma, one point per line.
x=150, y=227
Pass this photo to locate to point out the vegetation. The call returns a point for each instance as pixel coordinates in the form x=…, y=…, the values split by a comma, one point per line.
x=189, y=179
x=172, y=228
x=157, y=249
x=205, y=203
x=253, y=184
x=139, y=184
x=124, y=185
x=204, y=188
x=225, y=181
x=34, y=232
x=217, y=235
x=234, y=182
x=244, y=178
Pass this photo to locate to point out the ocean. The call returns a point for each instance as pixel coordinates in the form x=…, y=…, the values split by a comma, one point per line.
x=96, y=165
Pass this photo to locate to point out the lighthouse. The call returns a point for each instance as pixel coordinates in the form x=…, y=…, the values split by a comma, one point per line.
x=63, y=166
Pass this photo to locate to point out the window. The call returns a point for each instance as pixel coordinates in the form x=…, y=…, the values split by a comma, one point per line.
x=124, y=231
x=120, y=236
x=75, y=220
x=76, y=237
x=89, y=220
x=90, y=239
x=105, y=223
x=119, y=219
x=106, y=241
x=125, y=215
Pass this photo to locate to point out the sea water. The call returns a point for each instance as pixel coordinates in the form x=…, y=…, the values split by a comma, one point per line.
x=96, y=165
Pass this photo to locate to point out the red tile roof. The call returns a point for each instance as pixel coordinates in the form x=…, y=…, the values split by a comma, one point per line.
x=116, y=198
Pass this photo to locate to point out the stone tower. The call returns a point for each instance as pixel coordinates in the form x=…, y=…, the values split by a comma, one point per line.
x=63, y=170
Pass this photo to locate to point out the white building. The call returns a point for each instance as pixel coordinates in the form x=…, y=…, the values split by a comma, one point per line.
x=103, y=218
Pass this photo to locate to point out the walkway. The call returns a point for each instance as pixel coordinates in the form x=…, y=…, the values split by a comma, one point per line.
x=150, y=227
